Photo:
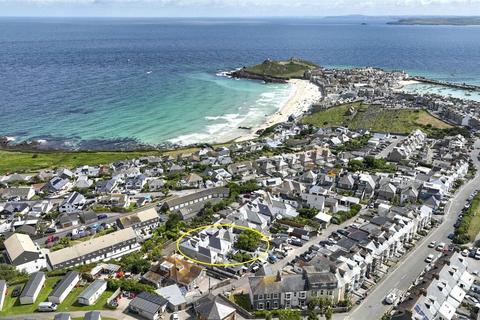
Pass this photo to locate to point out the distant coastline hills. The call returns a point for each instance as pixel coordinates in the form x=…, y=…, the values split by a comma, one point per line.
x=406, y=20
x=451, y=21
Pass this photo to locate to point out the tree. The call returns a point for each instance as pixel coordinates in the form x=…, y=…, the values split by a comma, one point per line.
x=248, y=240
x=135, y=263
x=329, y=313
x=312, y=316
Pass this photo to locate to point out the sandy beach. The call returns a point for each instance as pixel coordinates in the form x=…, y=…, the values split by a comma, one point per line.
x=303, y=96
x=403, y=83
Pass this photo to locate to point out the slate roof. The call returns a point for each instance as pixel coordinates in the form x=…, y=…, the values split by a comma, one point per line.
x=148, y=302
x=63, y=284
x=32, y=284
x=213, y=308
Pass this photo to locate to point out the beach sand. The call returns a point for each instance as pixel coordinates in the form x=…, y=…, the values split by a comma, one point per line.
x=403, y=83
x=302, y=98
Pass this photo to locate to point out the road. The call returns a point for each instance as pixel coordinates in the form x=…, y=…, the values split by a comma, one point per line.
x=242, y=283
x=410, y=267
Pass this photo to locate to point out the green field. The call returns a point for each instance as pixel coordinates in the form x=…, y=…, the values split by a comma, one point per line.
x=12, y=305
x=19, y=161
x=375, y=118
x=292, y=68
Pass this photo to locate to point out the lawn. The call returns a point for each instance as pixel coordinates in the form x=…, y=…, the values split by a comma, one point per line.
x=474, y=227
x=376, y=118
x=16, y=161
x=12, y=305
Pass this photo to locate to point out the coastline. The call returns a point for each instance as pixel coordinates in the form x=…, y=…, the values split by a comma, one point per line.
x=304, y=95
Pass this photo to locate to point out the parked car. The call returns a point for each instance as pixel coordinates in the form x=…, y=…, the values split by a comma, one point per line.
x=432, y=244
x=471, y=299
x=441, y=246
x=175, y=316
x=465, y=252
x=16, y=291
x=102, y=216
x=46, y=306
x=429, y=258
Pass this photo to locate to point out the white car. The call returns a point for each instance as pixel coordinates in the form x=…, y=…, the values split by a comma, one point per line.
x=432, y=244
x=441, y=246
x=175, y=316
x=465, y=252
x=429, y=258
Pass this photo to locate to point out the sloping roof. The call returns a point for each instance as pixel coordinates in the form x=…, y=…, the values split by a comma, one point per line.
x=86, y=247
x=62, y=316
x=18, y=243
x=148, y=302
x=92, y=289
x=32, y=284
x=213, y=308
x=141, y=216
x=173, y=294
x=92, y=315
x=63, y=284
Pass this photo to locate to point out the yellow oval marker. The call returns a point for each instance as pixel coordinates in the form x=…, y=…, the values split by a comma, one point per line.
x=264, y=237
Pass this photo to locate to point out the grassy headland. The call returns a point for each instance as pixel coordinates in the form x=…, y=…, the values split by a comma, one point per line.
x=292, y=68
x=276, y=71
x=375, y=118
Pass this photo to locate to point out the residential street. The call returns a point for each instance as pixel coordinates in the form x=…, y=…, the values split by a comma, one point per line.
x=408, y=269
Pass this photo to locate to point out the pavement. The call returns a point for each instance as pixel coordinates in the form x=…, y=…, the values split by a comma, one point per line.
x=409, y=268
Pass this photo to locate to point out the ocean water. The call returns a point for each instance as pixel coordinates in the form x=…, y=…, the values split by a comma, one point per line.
x=114, y=83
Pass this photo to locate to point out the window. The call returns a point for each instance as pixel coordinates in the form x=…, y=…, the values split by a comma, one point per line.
x=260, y=306
x=275, y=304
x=302, y=295
x=288, y=296
x=275, y=296
x=260, y=297
x=267, y=296
x=321, y=292
x=294, y=294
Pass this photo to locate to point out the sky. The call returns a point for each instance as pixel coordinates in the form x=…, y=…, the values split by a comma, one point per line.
x=235, y=8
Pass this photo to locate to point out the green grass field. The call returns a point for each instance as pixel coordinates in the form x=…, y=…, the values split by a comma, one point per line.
x=12, y=305
x=375, y=118
x=293, y=68
x=19, y=161
x=474, y=227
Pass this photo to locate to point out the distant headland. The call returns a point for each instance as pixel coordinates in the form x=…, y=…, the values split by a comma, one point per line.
x=276, y=71
x=450, y=21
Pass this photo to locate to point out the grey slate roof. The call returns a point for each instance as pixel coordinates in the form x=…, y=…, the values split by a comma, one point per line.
x=148, y=302
x=92, y=315
x=63, y=284
x=87, y=293
x=62, y=316
x=32, y=284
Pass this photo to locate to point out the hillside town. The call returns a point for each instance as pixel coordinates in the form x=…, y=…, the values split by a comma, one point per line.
x=303, y=222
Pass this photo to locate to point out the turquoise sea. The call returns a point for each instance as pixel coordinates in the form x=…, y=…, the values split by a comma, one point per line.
x=121, y=83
